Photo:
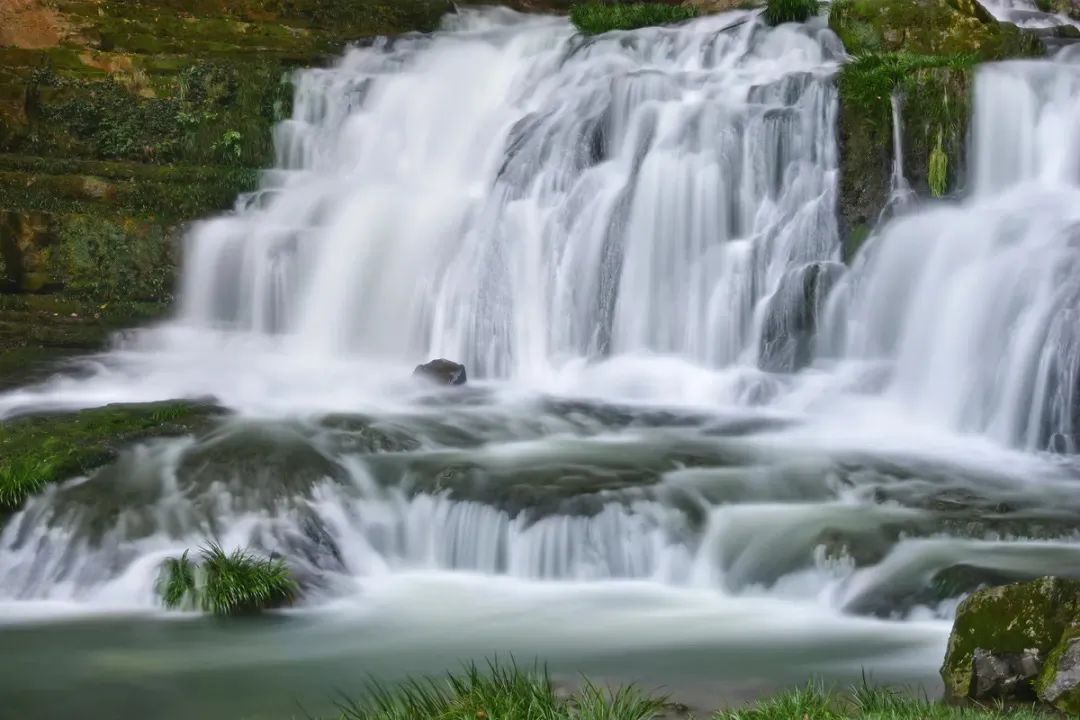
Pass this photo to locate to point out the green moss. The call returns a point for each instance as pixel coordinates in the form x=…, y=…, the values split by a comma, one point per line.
x=1009, y=619
x=928, y=27
x=594, y=18
x=935, y=98
x=785, y=11
x=37, y=451
x=1069, y=702
x=939, y=170
x=236, y=583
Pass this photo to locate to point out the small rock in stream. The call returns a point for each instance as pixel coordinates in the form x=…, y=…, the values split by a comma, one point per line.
x=442, y=371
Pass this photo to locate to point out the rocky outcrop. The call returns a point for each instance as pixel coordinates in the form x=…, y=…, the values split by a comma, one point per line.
x=122, y=120
x=925, y=51
x=1018, y=643
x=1068, y=8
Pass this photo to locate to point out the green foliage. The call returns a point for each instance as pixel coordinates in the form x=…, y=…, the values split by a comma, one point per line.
x=230, y=147
x=939, y=170
x=498, y=693
x=867, y=82
x=37, y=451
x=784, y=11
x=176, y=583
x=240, y=583
x=811, y=701
x=594, y=18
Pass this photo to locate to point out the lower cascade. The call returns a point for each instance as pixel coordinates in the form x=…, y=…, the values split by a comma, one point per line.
x=687, y=423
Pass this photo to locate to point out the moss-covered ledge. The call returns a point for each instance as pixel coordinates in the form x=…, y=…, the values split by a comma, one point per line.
x=40, y=450
x=926, y=52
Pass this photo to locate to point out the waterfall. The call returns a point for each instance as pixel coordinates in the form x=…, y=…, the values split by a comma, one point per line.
x=976, y=304
x=512, y=194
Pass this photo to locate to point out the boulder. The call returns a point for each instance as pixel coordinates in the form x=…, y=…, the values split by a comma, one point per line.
x=1059, y=684
x=1005, y=642
x=442, y=371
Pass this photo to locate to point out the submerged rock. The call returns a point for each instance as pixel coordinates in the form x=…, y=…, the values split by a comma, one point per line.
x=1003, y=636
x=793, y=316
x=442, y=371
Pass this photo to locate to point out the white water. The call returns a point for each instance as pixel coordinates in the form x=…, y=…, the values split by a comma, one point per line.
x=647, y=220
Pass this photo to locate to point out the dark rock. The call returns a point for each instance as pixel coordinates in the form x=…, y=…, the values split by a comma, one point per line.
x=442, y=371
x=1005, y=676
x=793, y=315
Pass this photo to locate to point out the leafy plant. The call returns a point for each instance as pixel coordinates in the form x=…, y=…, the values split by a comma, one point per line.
x=784, y=11
x=230, y=146
x=594, y=18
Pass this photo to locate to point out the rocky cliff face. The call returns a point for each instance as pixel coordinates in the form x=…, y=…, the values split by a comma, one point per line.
x=121, y=120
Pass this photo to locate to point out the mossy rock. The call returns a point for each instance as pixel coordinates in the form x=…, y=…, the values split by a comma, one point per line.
x=1012, y=619
x=928, y=27
x=37, y=451
x=1059, y=683
x=1069, y=8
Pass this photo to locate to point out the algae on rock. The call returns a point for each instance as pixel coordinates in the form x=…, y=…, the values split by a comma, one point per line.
x=1024, y=618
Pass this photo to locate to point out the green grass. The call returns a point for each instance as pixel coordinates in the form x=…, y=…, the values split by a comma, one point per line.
x=498, y=693
x=236, y=583
x=37, y=451
x=784, y=11
x=508, y=692
x=594, y=18
x=177, y=582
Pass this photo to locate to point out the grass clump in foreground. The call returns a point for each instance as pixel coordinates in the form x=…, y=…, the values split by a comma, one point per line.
x=512, y=693
x=498, y=693
x=236, y=583
x=594, y=18
x=784, y=11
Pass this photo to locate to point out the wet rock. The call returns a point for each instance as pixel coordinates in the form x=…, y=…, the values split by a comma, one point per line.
x=1005, y=676
x=1070, y=8
x=793, y=316
x=442, y=371
x=999, y=634
x=1059, y=684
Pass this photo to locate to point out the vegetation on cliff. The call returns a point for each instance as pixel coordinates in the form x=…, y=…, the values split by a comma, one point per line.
x=924, y=52
x=593, y=18
x=236, y=583
x=783, y=11
x=37, y=451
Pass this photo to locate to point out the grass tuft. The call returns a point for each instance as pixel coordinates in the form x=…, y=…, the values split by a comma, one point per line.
x=240, y=583
x=499, y=692
x=236, y=583
x=176, y=584
x=785, y=11
x=594, y=18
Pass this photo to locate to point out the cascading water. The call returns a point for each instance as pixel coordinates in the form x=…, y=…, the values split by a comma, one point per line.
x=978, y=302
x=696, y=434
x=550, y=197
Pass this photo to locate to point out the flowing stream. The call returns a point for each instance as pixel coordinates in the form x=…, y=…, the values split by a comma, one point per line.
x=696, y=450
